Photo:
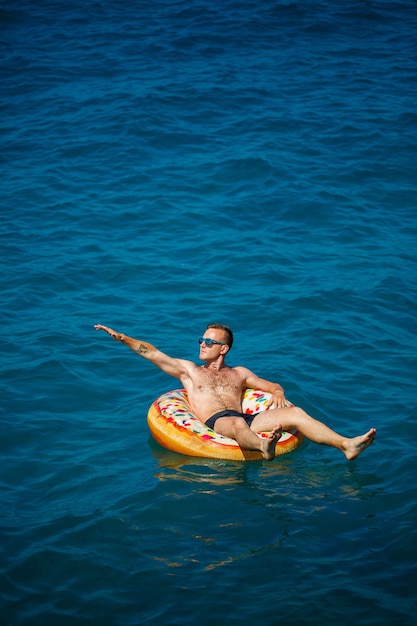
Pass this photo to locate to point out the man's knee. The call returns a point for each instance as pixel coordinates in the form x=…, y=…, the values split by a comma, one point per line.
x=239, y=425
x=231, y=426
x=298, y=413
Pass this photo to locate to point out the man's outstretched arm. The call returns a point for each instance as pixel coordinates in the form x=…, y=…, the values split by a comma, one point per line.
x=140, y=347
x=173, y=367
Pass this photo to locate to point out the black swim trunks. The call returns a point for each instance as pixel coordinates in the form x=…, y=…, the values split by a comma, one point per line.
x=213, y=419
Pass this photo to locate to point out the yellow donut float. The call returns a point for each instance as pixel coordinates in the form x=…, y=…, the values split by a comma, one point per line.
x=174, y=427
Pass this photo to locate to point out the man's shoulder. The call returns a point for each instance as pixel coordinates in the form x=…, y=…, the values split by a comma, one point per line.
x=240, y=369
x=190, y=366
x=187, y=362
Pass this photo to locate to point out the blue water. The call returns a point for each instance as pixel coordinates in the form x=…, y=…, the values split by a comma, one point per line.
x=167, y=164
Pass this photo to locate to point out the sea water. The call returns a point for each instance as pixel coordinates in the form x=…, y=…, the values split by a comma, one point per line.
x=172, y=163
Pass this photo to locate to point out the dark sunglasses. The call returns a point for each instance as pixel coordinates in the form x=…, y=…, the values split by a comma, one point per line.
x=209, y=342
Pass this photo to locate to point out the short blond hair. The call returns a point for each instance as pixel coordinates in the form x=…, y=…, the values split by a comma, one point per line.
x=226, y=329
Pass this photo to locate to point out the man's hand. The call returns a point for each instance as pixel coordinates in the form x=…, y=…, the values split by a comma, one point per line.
x=277, y=400
x=116, y=336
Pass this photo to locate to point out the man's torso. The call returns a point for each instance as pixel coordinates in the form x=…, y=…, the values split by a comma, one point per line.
x=210, y=391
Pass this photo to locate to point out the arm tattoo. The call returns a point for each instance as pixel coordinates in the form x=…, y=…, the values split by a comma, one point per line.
x=142, y=349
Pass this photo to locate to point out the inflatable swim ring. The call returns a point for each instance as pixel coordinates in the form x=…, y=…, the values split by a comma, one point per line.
x=174, y=427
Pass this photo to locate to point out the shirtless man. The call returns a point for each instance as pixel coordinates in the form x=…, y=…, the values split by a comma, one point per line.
x=215, y=390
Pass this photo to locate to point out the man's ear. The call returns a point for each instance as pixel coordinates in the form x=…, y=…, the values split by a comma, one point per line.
x=224, y=349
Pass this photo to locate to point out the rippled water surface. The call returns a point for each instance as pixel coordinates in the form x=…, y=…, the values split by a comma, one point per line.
x=166, y=164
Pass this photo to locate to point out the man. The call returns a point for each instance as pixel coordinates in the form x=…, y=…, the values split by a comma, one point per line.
x=215, y=390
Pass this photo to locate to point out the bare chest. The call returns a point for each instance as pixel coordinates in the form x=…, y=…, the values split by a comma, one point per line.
x=223, y=382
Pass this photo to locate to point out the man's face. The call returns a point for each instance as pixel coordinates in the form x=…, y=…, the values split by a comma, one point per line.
x=209, y=352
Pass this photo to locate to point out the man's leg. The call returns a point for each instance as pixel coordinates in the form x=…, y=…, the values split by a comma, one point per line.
x=237, y=428
x=313, y=429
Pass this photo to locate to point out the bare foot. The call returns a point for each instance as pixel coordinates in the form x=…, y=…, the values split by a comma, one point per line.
x=268, y=444
x=356, y=445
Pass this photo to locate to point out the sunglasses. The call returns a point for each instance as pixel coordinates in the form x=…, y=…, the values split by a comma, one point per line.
x=209, y=342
